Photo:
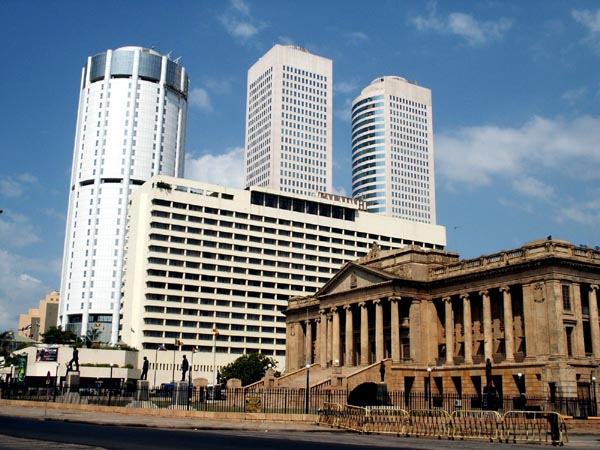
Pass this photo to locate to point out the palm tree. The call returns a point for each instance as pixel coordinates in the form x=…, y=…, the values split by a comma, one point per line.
x=92, y=337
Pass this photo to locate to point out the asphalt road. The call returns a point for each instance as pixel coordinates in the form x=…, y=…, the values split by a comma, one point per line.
x=143, y=438
x=24, y=433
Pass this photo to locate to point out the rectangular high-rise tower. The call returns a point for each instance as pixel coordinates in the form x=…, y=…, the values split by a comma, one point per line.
x=289, y=122
x=392, y=149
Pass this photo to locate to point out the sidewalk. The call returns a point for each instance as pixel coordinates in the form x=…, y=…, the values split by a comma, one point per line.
x=163, y=418
x=197, y=420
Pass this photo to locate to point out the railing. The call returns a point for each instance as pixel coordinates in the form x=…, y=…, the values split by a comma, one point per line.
x=547, y=427
x=292, y=401
x=472, y=424
x=513, y=426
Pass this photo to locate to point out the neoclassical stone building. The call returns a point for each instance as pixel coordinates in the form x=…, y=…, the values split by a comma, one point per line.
x=533, y=311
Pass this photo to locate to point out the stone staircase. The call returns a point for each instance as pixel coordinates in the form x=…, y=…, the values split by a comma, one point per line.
x=331, y=377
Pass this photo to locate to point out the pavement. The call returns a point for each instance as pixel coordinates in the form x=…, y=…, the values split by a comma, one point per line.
x=141, y=418
x=583, y=434
x=130, y=418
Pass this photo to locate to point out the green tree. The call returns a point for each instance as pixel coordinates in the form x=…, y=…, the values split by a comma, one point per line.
x=92, y=337
x=56, y=335
x=248, y=368
x=6, y=342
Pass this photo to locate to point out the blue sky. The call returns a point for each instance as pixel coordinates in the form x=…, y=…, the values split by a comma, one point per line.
x=516, y=106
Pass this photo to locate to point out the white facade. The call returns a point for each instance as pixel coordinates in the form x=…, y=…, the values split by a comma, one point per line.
x=202, y=257
x=289, y=107
x=130, y=126
x=392, y=150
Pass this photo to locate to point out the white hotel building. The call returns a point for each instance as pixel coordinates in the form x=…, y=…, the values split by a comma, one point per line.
x=289, y=114
x=392, y=149
x=130, y=126
x=202, y=257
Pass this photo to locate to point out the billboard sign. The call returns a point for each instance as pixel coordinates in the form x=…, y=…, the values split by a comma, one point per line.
x=47, y=354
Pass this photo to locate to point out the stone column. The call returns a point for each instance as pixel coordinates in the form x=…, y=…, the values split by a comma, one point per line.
x=509, y=332
x=323, y=338
x=309, y=346
x=418, y=347
x=449, y=325
x=291, y=345
x=488, y=338
x=531, y=291
x=300, y=344
x=594, y=325
x=364, y=334
x=395, y=313
x=556, y=328
x=349, y=358
x=329, y=338
x=379, y=338
x=336, y=334
x=468, y=328
x=578, y=339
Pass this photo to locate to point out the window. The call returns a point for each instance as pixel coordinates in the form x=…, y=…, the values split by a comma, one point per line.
x=569, y=335
x=566, y=297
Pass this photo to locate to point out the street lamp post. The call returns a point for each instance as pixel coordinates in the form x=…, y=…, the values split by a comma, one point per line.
x=215, y=335
x=521, y=390
x=110, y=385
x=11, y=381
x=307, y=391
x=174, y=353
x=56, y=381
x=155, y=365
x=429, y=385
x=594, y=395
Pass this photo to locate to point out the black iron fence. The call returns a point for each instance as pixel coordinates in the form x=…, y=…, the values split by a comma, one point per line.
x=289, y=401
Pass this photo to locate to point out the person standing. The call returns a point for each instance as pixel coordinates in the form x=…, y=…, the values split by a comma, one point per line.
x=145, y=369
x=184, y=367
x=74, y=361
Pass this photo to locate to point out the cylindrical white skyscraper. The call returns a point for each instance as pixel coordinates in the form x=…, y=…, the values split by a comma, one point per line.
x=392, y=149
x=130, y=126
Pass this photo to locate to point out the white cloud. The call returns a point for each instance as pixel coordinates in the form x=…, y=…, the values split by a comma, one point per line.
x=532, y=187
x=589, y=19
x=221, y=85
x=285, y=40
x=237, y=28
x=241, y=6
x=14, y=187
x=340, y=190
x=200, y=99
x=238, y=21
x=16, y=231
x=345, y=87
x=20, y=286
x=573, y=96
x=474, y=32
x=534, y=168
x=356, y=37
x=226, y=169
x=344, y=113
x=585, y=213
x=474, y=156
x=591, y=22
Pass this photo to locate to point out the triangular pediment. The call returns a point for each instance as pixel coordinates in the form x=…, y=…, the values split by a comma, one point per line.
x=353, y=276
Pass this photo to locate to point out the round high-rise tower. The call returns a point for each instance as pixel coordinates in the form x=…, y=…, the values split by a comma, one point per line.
x=130, y=126
x=392, y=149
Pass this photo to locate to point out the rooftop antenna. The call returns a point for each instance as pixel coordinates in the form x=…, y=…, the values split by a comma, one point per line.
x=176, y=61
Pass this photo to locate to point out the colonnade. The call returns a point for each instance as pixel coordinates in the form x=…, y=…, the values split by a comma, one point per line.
x=467, y=322
x=408, y=329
